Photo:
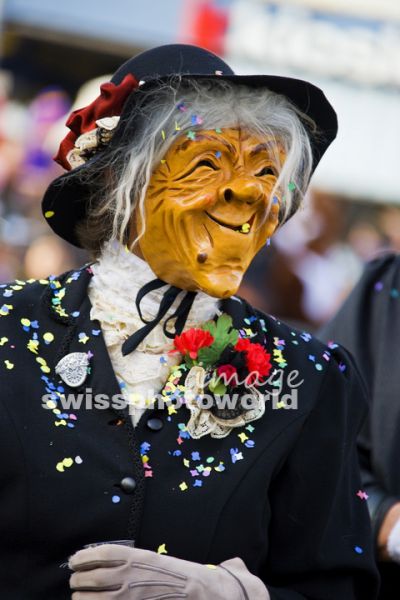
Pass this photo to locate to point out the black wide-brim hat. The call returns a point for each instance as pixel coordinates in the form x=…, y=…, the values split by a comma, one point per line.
x=66, y=200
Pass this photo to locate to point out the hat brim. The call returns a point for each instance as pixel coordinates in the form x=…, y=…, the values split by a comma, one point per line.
x=65, y=201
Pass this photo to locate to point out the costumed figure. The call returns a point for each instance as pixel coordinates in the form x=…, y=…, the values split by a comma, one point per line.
x=367, y=325
x=141, y=399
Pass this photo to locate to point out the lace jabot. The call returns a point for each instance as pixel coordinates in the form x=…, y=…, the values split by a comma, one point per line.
x=118, y=275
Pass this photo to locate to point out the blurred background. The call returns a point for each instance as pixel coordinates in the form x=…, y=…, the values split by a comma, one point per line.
x=49, y=50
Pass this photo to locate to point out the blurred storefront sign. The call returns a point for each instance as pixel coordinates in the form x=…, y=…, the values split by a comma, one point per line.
x=351, y=49
x=338, y=39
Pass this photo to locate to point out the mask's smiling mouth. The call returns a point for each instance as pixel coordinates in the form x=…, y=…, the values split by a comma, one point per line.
x=244, y=228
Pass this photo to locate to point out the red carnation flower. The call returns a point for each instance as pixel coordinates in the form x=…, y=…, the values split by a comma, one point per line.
x=257, y=360
x=192, y=340
x=228, y=374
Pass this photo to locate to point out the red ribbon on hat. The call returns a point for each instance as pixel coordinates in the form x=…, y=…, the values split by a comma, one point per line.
x=109, y=104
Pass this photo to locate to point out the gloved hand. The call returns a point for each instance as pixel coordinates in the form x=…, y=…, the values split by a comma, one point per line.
x=113, y=572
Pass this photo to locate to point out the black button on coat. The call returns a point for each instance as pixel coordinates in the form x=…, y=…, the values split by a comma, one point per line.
x=280, y=493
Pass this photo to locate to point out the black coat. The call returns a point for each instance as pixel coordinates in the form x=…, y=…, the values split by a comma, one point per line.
x=284, y=499
x=368, y=325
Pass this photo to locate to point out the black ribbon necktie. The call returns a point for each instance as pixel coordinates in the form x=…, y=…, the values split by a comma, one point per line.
x=181, y=313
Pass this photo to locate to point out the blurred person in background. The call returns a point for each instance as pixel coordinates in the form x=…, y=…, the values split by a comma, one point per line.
x=310, y=267
x=177, y=174
x=368, y=325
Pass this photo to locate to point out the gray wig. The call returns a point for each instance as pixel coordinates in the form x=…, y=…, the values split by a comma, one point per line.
x=119, y=178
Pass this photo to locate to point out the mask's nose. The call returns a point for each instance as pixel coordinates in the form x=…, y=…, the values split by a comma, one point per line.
x=242, y=190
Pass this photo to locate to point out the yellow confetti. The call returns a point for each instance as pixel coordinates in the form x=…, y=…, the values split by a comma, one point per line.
x=5, y=309
x=172, y=410
x=60, y=422
x=163, y=134
x=211, y=566
x=43, y=364
x=186, y=462
x=9, y=364
x=3, y=341
x=33, y=346
x=162, y=549
x=245, y=228
x=25, y=322
x=84, y=339
x=65, y=463
x=51, y=404
x=48, y=337
x=183, y=486
x=49, y=213
x=243, y=437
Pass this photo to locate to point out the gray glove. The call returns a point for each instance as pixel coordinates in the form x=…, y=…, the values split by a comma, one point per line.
x=112, y=572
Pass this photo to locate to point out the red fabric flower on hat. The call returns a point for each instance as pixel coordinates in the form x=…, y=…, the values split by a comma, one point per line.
x=257, y=359
x=191, y=341
x=108, y=104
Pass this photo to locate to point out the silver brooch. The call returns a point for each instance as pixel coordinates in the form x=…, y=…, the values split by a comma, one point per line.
x=73, y=368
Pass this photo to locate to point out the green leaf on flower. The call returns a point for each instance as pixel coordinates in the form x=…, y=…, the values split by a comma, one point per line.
x=217, y=387
x=223, y=334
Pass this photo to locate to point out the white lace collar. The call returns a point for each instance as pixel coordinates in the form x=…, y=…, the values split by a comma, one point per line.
x=118, y=275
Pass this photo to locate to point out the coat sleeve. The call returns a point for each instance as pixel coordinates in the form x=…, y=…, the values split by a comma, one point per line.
x=320, y=538
x=359, y=327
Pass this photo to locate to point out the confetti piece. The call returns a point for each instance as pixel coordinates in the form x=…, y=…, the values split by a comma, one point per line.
x=9, y=364
x=362, y=495
x=163, y=134
x=245, y=228
x=116, y=499
x=183, y=486
x=78, y=460
x=242, y=437
x=378, y=287
x=358, y=549
x=291, y=186
x=3, y=341
x=196, y=120
x=5, y=309
x=83, y=338
x=162, y=549
x=211, y=566
x=218, y=130
x=48, y=337
x=64, y=464
x=250, y=444
x=48, y=214
x=220, y=468
x=275, y=200
x=218, y=154
x=191, y=135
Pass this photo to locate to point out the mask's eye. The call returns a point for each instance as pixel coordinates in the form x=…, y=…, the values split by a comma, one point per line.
x=202, y=163
x=206, y=163
x=266, y=171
